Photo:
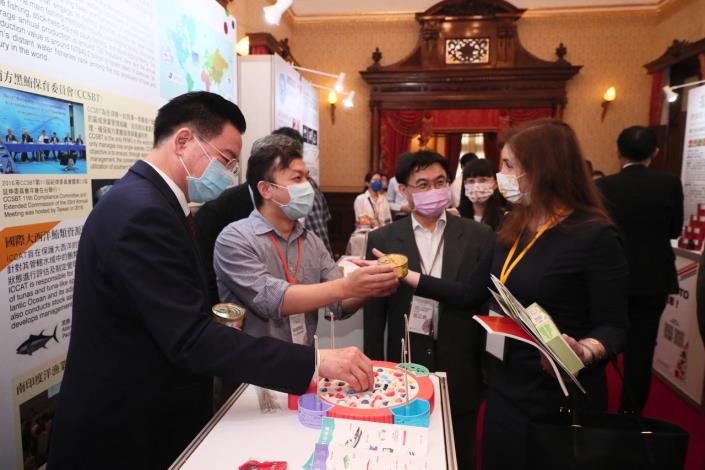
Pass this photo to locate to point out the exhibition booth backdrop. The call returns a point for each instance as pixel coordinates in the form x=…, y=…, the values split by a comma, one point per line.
x=98, y=71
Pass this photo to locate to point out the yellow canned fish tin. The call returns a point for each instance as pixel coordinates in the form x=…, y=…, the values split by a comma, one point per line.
x=400, y=263
x=231, y=315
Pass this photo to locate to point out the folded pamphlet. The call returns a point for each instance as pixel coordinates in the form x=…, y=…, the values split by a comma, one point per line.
x=534, y=326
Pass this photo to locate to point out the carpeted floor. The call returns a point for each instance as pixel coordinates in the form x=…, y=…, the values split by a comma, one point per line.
x=663, y=404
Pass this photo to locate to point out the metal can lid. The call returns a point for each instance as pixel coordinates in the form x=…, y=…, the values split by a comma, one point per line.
x=228, y=311
x=394, y=259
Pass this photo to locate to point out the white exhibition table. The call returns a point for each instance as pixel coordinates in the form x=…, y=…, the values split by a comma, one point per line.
x=240, y=432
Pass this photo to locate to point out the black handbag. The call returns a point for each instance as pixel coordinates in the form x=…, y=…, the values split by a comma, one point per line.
x=573, y=440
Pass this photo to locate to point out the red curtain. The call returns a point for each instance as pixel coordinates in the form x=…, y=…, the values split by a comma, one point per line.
x=397, y=127
x=512, y=117
x=259, y=50
x=395, y=137
x=656, y=103
x=464, y=119
x=453, y=146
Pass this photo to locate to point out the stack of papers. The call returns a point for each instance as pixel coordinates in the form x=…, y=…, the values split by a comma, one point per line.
x=534, y=326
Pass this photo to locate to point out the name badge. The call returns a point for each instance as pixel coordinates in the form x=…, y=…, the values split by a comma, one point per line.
x=495, y=343
x=298, y=328
x=421, y=315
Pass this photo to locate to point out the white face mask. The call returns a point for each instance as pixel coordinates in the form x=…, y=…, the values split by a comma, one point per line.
x=479, y=192
x=508, y=185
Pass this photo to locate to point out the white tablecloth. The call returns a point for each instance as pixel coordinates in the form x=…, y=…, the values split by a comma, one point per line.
x=243, y=432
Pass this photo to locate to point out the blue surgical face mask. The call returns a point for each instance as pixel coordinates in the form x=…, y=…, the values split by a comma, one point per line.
x=300, y=200
x=376, y=186
x=214, y=180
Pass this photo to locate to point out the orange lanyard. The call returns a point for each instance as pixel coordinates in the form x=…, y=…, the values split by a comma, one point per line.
x=290, y=279
x=508, y=268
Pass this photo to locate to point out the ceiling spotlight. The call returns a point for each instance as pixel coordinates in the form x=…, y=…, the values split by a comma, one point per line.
x=339, y=82
x=348, y=101
x=273, y=13
x=339, y=78
x=671, y=96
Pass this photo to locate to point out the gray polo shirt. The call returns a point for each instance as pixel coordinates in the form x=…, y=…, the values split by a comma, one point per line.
x=250, y=273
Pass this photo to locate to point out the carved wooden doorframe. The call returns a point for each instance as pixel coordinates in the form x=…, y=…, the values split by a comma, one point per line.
x=468, y=56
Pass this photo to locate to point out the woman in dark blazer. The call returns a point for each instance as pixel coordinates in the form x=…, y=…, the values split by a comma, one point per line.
x=557, y=248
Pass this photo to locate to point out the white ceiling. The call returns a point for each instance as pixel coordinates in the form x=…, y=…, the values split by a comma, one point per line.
x=316, y=10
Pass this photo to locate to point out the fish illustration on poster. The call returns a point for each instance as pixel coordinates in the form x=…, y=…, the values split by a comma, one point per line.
x=36, y=342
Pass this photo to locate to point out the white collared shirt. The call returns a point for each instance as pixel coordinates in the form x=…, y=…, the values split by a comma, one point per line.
x=394, y=196
x=430, y=246
x=632, y=164
x=180, y=196
x=378, y=210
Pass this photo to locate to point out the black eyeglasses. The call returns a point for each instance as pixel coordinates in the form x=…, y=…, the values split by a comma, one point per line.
x=424, y=185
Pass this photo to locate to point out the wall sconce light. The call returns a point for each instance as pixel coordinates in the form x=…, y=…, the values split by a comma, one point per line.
x=607, y=98
x=243, y=46
x=332, y=100
x=273, y=13
x=671, y=96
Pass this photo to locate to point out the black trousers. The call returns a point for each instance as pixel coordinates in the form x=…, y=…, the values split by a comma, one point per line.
x=464, y=434
x=644, y=316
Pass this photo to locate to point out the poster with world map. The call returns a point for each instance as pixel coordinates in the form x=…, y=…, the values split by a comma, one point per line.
x=196, y=49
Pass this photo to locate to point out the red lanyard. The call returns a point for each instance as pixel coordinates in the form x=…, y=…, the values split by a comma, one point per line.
x=290, y=279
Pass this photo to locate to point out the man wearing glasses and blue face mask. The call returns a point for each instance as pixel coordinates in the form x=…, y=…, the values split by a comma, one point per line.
x=143, y=350
x=278, y=270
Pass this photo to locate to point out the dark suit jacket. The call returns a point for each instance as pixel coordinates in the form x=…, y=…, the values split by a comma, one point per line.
x=647, y=206
x=460, y=342
x=143, y=349
x=213, y=216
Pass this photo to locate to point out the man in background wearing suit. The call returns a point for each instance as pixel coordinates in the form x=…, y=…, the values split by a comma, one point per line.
x=443, y=338
x=648, y=208
x=144, y=350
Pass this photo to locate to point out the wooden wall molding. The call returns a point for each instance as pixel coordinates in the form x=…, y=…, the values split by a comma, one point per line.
x=678, y=52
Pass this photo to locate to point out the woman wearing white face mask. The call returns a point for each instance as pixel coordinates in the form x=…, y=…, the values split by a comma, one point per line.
x=559, y=249
x=480, y=199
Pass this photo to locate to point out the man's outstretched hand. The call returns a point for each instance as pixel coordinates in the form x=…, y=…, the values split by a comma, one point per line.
x=349, y=365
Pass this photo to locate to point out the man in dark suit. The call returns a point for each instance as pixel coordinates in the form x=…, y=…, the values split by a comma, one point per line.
x=443, y=338
x=233, y=204
x=143, y=350
x=648, y=208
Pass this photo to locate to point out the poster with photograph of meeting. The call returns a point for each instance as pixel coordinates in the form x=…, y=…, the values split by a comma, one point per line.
x=40, y=135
